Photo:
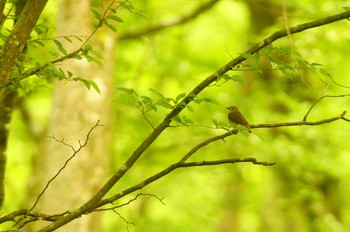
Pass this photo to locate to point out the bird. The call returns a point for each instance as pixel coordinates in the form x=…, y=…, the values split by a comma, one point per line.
x=236, y=117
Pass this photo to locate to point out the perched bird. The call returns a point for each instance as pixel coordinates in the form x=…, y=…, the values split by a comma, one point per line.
x=236, y=117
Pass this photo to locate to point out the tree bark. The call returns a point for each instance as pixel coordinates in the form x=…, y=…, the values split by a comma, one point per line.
x=75, y=111
x=10, y=52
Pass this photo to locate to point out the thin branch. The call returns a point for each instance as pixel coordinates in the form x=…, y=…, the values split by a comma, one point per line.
x=302, y=123
x=168, y=22
x=130, y=201
x=145, y=117
x=226, y=161
x=318, y=100
x=75, y=152
x=126, y=221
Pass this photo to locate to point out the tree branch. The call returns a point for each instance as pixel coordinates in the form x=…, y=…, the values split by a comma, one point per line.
x=168, y=22
x=183, y=164
x=318, y=100
x=17, y=39
x=75, y=152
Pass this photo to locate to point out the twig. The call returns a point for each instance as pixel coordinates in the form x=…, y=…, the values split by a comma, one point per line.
x=75, y=152
x=318, y=100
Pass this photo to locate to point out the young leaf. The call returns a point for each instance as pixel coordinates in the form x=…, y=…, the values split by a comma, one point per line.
x=126, y=90
x=177, y=119
x=187, y=120
x=68, y=39
x=157, y=93
x=115, y=18
x=346, y=8
x=209, y=100
x=190, y=108
x=180, y=96
x=95, y=86
x=110, y=26
x=248, y=56
x=165, y=105
x=96, y=13
x=60, y=46
x=237, y=78
x=215, y=123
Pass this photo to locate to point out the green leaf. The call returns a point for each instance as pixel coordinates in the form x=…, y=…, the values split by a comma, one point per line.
x=93, y=59
x=98, y=3
x=215, y=123
x=115, y=18
x=114, y=11
x=180, y=96
x=127, y=90
x=237, y=78
x=187, y=120
x=151, y=107
x=87, y=48
x=68, y=39
x=346, y=8
x=165, y=105
x=146, y=100
x=38, y=30
x=181, y=105
x=95, y=86
x=96, y=13
x=156, y=92
x=110, y=26
x=325, y=73
x=97, y=53
x=177, y=119
x=190, y=108
x=209, y=100
x=78, y=38
x=96, y=24
x=38, y=42
x=60, y=46
x=248, y=56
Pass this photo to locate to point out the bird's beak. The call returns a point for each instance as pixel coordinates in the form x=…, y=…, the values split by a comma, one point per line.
x=228, y=108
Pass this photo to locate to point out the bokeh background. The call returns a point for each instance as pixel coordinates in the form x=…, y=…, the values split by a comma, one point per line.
x=307, y=189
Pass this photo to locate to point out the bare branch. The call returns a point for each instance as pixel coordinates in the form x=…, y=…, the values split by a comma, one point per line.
x=227, y=161
x=75, y=152
x=318, y=100
x=130, y=201
x=126, y=221
x=168, y=22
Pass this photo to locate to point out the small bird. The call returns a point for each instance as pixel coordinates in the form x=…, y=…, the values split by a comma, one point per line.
x=236, y=117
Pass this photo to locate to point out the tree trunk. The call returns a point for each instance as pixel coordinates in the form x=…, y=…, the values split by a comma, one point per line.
x=75, y=111
x=9, y=53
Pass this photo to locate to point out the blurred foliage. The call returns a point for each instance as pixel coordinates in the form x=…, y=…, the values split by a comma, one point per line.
x=308, y=187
